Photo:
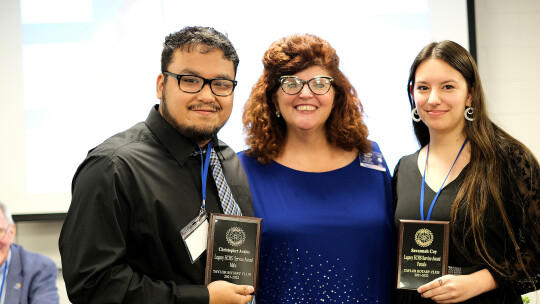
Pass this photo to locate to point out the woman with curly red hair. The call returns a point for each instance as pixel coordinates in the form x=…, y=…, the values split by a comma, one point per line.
x=321, y=187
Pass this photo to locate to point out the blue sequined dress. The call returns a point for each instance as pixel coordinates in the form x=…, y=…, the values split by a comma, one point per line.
x=326, y=237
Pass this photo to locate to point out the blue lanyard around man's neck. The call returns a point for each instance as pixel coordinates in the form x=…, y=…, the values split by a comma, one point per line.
x=4, y=279
x=422, y=190
x=204, y=172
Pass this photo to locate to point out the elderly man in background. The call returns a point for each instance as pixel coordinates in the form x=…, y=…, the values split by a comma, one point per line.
x=27, y=277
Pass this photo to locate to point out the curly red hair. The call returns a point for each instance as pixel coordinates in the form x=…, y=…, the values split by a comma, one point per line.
x=266, y=133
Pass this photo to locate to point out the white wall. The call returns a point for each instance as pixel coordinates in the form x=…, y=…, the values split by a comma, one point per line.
x=508, y=40
x=508, y=43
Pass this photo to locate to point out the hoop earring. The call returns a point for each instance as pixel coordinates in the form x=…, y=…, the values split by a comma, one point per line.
x=469, y=111
x=278, y=114
x=415, y=116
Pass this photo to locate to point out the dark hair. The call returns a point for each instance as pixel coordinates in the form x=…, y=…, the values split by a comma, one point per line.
x=265, y=133
x=490, y=169
x=460, y=59
x=201, y=39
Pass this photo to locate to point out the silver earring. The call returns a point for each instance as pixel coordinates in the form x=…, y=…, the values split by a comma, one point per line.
x=278, y=114
x=469, y=111
x=415, y=115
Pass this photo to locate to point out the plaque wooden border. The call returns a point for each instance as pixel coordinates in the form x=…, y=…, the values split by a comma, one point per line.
x=210, y=244
x=446, y=240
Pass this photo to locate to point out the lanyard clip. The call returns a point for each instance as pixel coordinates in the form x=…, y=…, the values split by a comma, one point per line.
x=203, y=208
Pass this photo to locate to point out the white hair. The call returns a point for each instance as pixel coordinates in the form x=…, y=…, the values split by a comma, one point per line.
x=7, y=213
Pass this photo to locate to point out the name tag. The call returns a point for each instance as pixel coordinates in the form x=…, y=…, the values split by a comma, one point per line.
x=372, y=160
x=195, y=236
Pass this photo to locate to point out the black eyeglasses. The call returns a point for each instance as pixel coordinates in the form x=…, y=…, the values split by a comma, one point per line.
x=194, y=84
x=319, y=85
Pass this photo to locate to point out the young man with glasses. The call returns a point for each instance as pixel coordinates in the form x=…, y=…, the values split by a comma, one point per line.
x=134, y=194
x=27, y=277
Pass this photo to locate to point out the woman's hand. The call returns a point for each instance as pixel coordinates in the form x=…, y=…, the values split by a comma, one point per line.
x=458, y=288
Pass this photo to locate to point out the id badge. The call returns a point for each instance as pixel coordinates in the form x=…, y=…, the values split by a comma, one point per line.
x=195, y=236
x=372, y=160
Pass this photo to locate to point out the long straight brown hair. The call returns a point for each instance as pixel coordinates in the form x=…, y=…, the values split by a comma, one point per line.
x=488, y=169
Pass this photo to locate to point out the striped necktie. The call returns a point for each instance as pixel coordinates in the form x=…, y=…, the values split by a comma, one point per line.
x=228, y=203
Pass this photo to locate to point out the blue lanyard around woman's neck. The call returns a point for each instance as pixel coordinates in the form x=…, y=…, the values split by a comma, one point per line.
x=439, y=192
x=204, y=172
x=4, y=279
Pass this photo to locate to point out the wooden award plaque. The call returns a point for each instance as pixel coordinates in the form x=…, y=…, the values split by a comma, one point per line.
x=422, y=252
x=232, y=252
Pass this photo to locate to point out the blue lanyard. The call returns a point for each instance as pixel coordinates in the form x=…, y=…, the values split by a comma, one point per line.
x=439, y=192
x=4, y=279
x=204, y=172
